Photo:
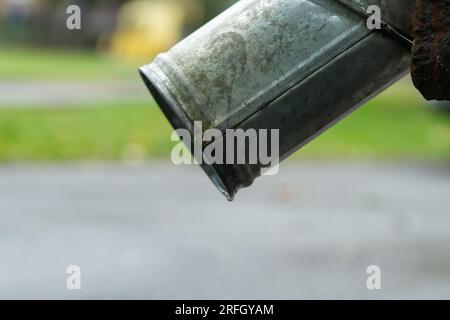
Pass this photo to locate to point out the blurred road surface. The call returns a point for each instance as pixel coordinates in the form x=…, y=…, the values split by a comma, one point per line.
x=159, y=231
x=53, y=94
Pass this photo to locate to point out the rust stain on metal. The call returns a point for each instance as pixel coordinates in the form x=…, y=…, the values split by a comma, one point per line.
x=431, y=50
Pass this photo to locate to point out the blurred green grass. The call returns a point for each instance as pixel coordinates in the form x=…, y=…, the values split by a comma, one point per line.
x=50, y=64
x=88, y=133
x=382, y=129
x=397, y=124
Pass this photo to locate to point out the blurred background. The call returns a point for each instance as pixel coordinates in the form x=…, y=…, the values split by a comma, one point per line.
x=86, y=178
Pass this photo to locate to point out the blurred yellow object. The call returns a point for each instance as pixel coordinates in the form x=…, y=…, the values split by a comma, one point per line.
x=148, y=27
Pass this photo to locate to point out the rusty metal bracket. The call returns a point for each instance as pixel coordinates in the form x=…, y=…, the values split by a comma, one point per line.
x=430, y=66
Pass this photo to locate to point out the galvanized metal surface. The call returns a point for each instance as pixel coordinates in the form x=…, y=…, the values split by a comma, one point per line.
x=294, y=65
x=396, y=21
x=396, y=14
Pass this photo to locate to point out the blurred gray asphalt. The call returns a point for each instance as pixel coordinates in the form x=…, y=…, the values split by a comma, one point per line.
x=158, y=231
x=51, y=94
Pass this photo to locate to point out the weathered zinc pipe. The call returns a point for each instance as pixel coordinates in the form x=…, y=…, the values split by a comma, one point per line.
x=294, y=65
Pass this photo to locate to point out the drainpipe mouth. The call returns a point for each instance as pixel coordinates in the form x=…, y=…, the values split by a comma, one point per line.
x=175, y=115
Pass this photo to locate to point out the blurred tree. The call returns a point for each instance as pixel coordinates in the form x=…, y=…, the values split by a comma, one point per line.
x=147, y=27
x=44, y=24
